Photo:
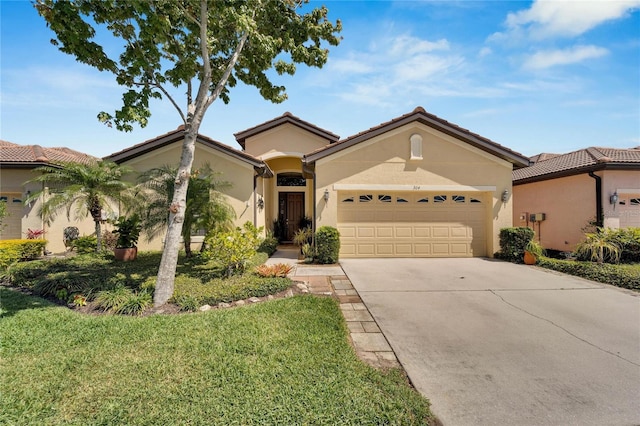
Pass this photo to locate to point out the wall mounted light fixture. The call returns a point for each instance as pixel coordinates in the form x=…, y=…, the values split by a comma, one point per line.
x=505, y=196
x=326, y=195
x=614, y=198
x=260, y=203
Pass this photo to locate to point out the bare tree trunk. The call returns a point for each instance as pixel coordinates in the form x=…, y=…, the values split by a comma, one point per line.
x=98, y=235
x=167, y=270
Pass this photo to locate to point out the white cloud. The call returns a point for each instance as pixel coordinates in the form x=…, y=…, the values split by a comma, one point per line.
x=349, y=66
x=485, y=51
x=568, y=18
x=406, y=45
x=549, y=58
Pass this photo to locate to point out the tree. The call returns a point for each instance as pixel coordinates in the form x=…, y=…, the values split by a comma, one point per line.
x=203, y=47
x=3, y=214
x=205, y=208
x=89, y=189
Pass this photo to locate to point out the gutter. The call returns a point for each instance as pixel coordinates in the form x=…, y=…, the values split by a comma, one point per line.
x=599, y=218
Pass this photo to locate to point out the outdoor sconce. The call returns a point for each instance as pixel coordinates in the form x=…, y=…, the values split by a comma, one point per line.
x=614, y=198
x=326, y=195
x=505, y=196
x=260, y=203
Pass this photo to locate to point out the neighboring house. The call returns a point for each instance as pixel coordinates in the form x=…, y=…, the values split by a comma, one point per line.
x=416, y=186
x=16, y=167
x=589, y=186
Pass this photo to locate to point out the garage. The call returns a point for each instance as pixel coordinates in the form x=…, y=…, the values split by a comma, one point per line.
x=412, y=224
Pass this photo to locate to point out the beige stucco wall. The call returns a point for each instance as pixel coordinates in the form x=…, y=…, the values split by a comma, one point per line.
x=12, y=181
x=239, y=174
x=282, y=141
x=446, y=163
x=568, y=203
x=626, y=183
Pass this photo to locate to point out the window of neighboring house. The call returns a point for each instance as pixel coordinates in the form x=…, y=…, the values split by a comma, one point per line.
x=291, y=179
x=366, y=198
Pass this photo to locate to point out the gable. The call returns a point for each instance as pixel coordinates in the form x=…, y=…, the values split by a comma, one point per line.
x=284, y=140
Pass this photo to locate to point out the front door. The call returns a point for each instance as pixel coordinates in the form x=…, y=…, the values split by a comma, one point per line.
x=291, y=212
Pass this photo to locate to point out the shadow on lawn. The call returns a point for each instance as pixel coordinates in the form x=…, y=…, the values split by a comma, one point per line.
x=13, y=301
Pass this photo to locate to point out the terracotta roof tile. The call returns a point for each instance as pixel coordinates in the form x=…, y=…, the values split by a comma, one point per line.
x=579, y=161
x=11, y=153
x=287, y=117
x=419, y=114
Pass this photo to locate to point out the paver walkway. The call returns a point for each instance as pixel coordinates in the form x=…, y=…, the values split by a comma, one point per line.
x=330, y=280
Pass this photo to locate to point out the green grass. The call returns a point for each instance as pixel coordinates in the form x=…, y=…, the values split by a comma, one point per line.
x=281, y=362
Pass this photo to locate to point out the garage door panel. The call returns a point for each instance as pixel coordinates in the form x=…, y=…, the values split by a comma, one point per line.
x=412, y=228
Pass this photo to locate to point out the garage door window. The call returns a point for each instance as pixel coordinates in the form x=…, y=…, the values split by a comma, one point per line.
x=366, y=198
x=439, y=198
x=384, y=198
x=458, y=198
x=423, y=200
x=401, y=200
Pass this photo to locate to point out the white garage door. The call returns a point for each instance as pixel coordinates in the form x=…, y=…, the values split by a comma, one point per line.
x=377, y=224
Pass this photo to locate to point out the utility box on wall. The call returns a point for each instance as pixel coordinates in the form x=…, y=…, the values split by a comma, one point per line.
x=537, y=217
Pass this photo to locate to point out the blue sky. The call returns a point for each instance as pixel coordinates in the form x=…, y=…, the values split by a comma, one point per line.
x=552, y=76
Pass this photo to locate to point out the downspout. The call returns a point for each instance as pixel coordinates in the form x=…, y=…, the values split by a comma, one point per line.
x=599, y=218
x=255, y=200
x=307, y=170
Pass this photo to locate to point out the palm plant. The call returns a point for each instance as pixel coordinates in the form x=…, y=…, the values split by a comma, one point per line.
x=598, y=247
x=206, y=207
x=87, y=188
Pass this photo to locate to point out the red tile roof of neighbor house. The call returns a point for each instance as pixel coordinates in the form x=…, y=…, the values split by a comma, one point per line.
x=420, y=115
x=36, y=155
x=549, y=166
x=287, y=117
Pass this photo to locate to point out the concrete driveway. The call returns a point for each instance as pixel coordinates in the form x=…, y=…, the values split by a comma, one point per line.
x=493, y=343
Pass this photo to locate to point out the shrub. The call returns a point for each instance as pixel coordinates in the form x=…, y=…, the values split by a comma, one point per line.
x=269, y=245
x=233, y=249
x=513, y=242
x=327, y=245
x=12, y=251
x=628, y=239
x=123, y=300
x=625, y=276
x=85, y=244
x=227, y=289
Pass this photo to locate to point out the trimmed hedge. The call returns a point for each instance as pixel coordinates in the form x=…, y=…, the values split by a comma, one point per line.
x=513, y=242
x=625, y=276
x=12, y=251
x=327, y=245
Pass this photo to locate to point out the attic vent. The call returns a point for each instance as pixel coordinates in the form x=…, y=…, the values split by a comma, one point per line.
x=416, y=146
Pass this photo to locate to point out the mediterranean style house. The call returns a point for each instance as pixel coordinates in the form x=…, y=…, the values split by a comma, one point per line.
x=560, y=195
x=16, y=167
x=415, y=186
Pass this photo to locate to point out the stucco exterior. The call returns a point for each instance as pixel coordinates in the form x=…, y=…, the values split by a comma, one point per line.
x=448, y=165
x=576, y=192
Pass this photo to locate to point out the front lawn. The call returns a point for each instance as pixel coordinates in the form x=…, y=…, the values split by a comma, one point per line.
x=283, y=362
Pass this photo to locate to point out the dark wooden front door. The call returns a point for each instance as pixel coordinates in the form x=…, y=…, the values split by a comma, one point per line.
x=291, y=212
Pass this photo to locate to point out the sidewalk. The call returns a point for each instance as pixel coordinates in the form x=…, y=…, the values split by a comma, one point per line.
x=330, y=280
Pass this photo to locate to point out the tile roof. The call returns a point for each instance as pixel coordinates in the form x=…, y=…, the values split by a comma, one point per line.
x=420, y=115
x=11, y=153
x=177, y=135
x=287, y=117
x=548, y=166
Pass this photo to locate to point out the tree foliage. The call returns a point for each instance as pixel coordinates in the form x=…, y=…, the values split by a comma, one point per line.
x=198, y=47
x=206, y=206
x=88, y=189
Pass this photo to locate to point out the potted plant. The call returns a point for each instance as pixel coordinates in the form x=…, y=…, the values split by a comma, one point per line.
x=128, y=231
x=532, y=252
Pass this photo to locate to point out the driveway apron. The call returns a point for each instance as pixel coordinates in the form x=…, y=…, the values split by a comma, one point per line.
x=493, y=343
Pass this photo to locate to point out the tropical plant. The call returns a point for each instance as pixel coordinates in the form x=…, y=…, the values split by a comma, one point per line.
x=206, y=206
x=34, y=234
x=87, y=188
x=303, y=236
x=3, y=214
x=233, y=249
x=327, y=245
x=598, y=247
x=128, y=231
x=275, y=270
x=200, y=48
